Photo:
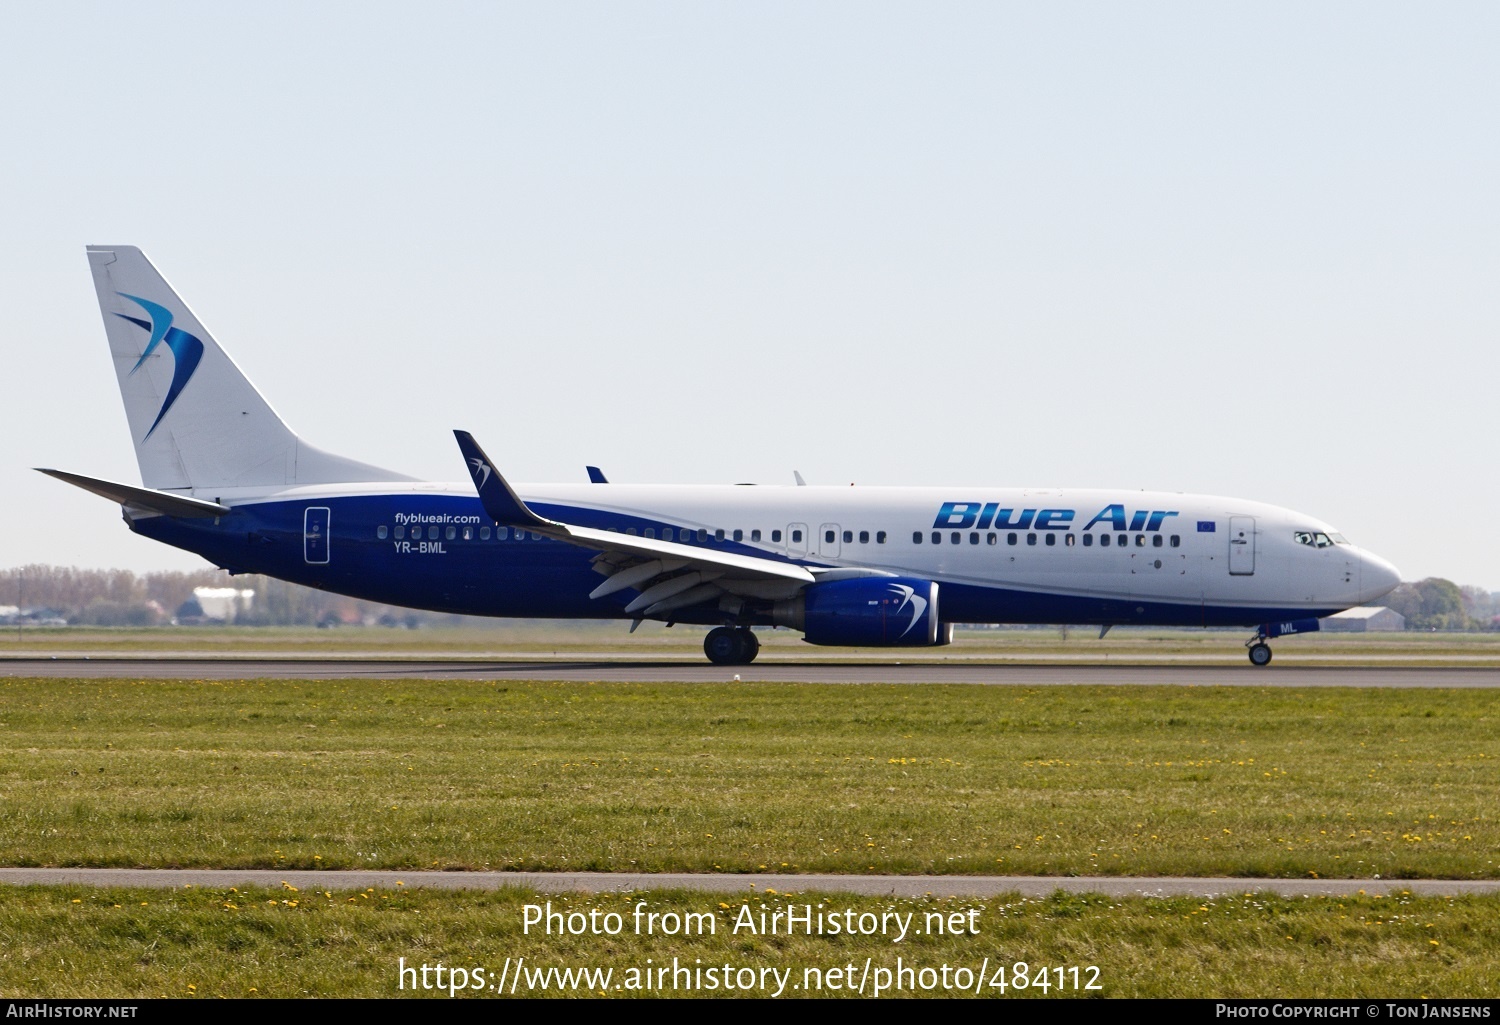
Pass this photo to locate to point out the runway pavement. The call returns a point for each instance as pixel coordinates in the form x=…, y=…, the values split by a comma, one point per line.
x=875, y=885
x=602, y=668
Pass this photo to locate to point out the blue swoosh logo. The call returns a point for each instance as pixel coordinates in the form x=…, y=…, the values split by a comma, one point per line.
x=186, y=349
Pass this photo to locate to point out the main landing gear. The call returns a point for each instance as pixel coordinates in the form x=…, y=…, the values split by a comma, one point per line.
x=731, y=646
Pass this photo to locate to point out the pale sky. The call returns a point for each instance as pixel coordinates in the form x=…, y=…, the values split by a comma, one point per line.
x=1242, y=249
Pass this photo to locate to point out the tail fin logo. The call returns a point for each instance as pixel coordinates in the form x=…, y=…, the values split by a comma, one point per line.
x=186, y=349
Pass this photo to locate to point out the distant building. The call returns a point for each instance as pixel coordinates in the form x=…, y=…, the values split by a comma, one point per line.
x=224, y=604
x=1378, y=619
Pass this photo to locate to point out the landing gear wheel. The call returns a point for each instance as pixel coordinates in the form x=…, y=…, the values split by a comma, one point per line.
x=1260, y=654
x=728, y=646
x=749, y=645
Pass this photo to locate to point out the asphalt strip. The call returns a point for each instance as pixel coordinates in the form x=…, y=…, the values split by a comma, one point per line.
x=871, y=885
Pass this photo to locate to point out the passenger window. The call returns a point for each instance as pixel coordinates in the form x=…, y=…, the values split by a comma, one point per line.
x=776, y=536
x=1010, y=539
x=848, y=537
x=1122, y=540
x=432, y=533
x=484, y=533
x=1070, y=540
x=666, y=533
x=631, y=531
x=1088, y=540
x=502, y=533
x=702, y=534
x=1140, y=540
x=937, y=538
x=916, y=537
x=990, y=538
x=1156, y=541
x=1176, y=541
x=755, y=534
x=974, y=537
x=719, y=534
x=796, y=537
x=828, y=537
x=1103, y=540
x=650, y=533
x=864, y=537
x=468, y=533
x=880, y=537
x=1031, y=539
x=957, y=538
x=400, y=531
x=380, y=532
x=1051, y=540
x=739, y=535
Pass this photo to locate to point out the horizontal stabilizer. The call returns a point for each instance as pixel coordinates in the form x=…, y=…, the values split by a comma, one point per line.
x=141, y=498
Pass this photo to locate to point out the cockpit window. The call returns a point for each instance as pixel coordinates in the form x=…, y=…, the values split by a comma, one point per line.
x=1339, y=539
x=1313, y=538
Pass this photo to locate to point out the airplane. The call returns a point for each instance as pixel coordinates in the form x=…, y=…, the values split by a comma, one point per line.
x=886, y=567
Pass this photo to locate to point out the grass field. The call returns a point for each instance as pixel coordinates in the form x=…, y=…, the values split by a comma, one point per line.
x=529, y=638
x=67, y=941
x=697, y=777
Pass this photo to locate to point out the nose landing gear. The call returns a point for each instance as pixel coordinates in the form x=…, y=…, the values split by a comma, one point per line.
x=1260, y=651
x=731, y=646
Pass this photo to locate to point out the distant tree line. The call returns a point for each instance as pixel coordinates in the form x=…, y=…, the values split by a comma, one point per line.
x=1438, y=604
x=108, y=597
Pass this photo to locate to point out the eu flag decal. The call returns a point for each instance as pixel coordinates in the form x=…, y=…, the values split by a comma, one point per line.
x=1205, y=526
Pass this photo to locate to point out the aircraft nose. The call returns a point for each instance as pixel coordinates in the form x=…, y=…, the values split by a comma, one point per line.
x=1376, y=577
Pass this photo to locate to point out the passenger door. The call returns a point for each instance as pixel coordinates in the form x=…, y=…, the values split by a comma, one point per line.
x=1241, y=546
x=315, y=535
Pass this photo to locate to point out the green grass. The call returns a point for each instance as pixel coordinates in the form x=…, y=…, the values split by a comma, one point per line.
x=528, y=638
x=1267, y=782
x=79, y=942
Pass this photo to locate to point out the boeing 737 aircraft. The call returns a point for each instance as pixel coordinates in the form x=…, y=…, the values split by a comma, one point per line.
x=223, y=476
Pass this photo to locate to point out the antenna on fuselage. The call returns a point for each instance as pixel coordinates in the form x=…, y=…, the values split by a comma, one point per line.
x=798, y=476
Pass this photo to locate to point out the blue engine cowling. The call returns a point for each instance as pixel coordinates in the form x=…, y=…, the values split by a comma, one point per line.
x=887, y=612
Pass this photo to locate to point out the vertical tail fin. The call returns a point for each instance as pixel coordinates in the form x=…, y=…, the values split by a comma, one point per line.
x=194, y=417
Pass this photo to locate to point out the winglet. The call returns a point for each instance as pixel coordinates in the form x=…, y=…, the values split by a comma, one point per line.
x=497, y=496
x=596, y=475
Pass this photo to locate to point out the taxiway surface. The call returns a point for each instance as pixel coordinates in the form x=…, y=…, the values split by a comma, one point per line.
x=605, y=669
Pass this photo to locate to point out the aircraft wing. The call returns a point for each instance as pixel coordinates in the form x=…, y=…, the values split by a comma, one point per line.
x=667, y=574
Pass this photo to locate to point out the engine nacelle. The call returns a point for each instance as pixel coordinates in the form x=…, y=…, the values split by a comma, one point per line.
x=886, y=612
